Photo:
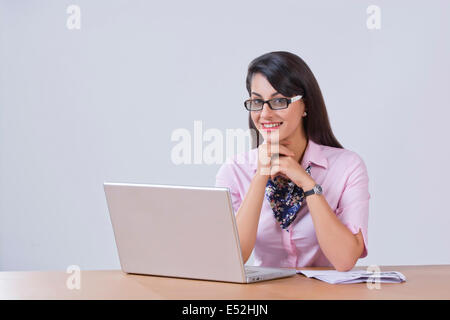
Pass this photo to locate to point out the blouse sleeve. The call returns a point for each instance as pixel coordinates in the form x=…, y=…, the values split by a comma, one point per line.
x=226, y=177
x=353, y=206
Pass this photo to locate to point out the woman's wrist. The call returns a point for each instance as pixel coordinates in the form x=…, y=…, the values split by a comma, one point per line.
x=307, y=184
x=259, y=175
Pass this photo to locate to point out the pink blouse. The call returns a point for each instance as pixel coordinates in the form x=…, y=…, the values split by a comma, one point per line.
x=344, y=180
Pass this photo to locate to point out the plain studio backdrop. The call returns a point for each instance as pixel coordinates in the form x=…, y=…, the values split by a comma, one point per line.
x=98, y=99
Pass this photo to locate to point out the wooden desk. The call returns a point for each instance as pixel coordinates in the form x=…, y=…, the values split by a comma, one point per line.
x=422, y=282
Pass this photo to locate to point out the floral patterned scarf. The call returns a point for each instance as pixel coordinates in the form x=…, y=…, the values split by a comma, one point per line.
x=285, y=198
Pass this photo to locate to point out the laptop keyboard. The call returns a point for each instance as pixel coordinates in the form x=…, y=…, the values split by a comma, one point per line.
x=251, y=271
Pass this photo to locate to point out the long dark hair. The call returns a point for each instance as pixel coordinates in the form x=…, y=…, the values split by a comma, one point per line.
x=290, y=76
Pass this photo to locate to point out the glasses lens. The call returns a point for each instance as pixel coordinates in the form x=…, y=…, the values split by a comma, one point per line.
x=279, y=103
x=253, y=104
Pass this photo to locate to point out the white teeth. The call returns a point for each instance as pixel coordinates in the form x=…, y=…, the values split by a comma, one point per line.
x=271, y=125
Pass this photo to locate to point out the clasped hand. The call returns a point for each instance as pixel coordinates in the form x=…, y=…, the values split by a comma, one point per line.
x=277, y=159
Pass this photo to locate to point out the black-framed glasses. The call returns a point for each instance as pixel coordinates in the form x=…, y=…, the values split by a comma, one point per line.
x=274, y=104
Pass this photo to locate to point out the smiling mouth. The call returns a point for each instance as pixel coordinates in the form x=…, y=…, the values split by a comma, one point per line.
x=271, y=125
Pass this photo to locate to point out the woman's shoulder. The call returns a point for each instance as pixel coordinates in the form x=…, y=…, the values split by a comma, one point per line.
x=243, y=162
x=342, y=157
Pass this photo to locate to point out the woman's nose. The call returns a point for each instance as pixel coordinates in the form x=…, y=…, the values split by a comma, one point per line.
x=266, y=112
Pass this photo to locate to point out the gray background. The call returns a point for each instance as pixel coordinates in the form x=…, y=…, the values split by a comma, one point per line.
x=80, y=107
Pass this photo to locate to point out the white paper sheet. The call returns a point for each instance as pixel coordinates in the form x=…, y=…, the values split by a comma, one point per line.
x=355, y=276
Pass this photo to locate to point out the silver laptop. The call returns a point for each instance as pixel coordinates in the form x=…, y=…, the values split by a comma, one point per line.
x=180, y=231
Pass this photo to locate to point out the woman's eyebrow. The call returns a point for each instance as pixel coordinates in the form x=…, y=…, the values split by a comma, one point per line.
x=273, y=94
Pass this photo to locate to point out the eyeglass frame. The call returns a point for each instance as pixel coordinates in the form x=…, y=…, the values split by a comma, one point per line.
x=289, y=101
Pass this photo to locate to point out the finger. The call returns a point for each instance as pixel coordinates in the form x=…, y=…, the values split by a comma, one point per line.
x=274, y=158
x=274, y=171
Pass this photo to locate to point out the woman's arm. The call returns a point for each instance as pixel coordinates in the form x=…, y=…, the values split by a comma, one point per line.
x=338, y=243
x=247, y=217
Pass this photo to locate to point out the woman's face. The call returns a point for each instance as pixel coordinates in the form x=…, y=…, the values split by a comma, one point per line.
x=290, y=118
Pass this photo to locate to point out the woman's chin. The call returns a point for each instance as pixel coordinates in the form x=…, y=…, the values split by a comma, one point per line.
x=272, y=136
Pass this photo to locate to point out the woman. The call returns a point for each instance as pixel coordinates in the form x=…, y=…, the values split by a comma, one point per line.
x=300, y=198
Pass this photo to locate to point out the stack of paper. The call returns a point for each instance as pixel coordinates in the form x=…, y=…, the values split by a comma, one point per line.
x=335, y=277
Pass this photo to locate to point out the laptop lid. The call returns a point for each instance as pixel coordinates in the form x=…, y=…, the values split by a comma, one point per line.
x=176, y=231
